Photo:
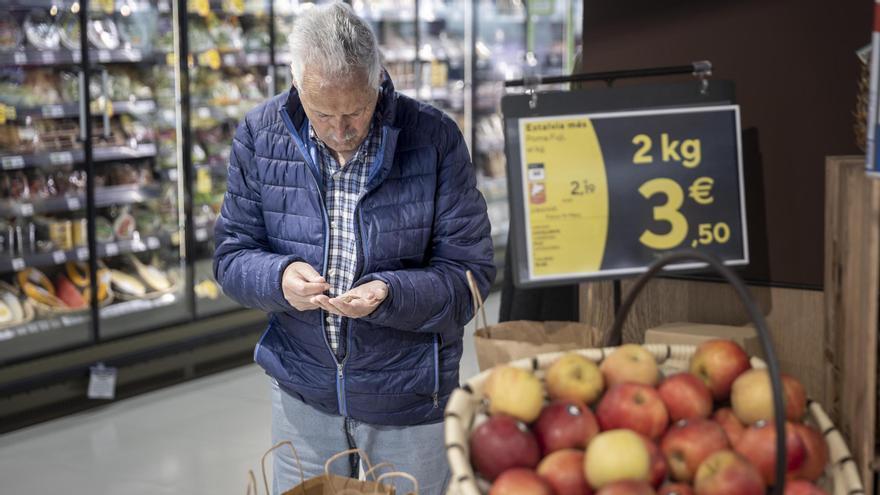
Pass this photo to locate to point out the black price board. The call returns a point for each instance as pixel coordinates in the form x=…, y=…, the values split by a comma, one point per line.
x=603, y=194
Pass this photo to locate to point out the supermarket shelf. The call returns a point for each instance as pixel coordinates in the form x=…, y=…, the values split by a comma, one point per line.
x=57, y=158
x=44, y=335
x=29, y=4
x=69, y=110
x=130, y=317
x=105, y=196
x=231, y=59
x=32, y=56
x=59, y=257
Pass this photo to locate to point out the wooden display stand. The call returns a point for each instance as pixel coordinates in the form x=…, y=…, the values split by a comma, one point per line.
x=852, y=288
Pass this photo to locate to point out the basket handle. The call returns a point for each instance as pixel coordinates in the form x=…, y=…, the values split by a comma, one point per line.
x=479, y=306
x=302, y=475
x=400, y=474
x=613, y=337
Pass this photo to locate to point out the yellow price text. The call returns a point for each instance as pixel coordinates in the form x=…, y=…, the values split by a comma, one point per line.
x=667, y=212
x=712, y=234
x=688, y=152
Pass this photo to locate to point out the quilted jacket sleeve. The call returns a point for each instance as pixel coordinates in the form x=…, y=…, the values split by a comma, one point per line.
x=243, y=264
x=437, y=298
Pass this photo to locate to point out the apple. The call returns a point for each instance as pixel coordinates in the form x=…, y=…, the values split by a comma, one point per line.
x=515, y=392
x=563, y=470
x=758, y=446
x=676, y=489
x=633, y=406
x=520, y=481
x=659, y=467
x=802, y=487
x=574, y=377
x=614, y=456
x=752, y=397
x=817, y=452
x=630, y=363
x=688, y=443
x=726, y=473
x=718, y=363
x=730, y=424
x=627, y=487
x=502, y=443
x=685, y=397
x=565, y=424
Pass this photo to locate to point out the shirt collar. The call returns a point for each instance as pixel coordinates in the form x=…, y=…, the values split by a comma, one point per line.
x=359, y=154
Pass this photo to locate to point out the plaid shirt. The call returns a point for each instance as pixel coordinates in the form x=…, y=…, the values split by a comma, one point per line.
x=343, y=187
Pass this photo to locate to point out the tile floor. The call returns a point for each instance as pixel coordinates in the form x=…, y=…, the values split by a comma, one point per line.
x=199, y=437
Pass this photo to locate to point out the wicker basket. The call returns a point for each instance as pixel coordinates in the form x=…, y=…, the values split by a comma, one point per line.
x=467, y=408
x=467, y=405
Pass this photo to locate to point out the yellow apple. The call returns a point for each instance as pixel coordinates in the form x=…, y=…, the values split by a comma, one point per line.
x=616, y=455
x=752, y=397
x=574, y=377
x=630, y=363
x=515, y=392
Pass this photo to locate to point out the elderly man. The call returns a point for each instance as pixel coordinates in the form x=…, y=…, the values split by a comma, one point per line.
x=352, y=217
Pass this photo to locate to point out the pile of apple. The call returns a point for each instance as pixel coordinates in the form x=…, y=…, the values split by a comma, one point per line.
x=624, y=429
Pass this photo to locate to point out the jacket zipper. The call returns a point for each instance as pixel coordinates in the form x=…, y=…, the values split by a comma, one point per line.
x=340, y=366
x=436, y=395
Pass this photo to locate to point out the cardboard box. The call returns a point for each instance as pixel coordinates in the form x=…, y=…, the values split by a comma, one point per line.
x=695, y=333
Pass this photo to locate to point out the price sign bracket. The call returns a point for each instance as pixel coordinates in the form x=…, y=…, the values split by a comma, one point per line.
x=671, y=171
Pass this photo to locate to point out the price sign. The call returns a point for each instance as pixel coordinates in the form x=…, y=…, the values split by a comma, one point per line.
x=59, y=257
x=52, y=111
x=73, y=203
x=152, y=242
x=20, y=58
x=61, y=158
x=604, y=194
x=112, y=249
x=18, y=264
x=26, y=209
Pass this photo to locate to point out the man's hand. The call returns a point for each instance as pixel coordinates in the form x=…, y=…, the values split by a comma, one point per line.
x=356, y=303
x=300, y=284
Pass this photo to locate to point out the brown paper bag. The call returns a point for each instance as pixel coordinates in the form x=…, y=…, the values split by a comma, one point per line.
x=329, y=484
x=511, y=340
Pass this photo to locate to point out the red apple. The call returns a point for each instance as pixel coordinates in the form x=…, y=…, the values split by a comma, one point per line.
x=627, y=487
x=633, y=406
x=685, y=397
x=758, y=446
x=502, y=443
x=688, y=443
x=676, y=489
x=718, y=363
x=563, y=470
x=565, y=424
x=658, y=462
x=730, y=424
x=520, y=481
x=795, y=398
x=630, y=363
x=802, y=487
x=726, y=473
x=817, y=453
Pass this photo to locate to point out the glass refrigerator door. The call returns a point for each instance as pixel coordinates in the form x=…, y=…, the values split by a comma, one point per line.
x=136, y=189
x=44, y=274
x=441, y=57
x=229, y=74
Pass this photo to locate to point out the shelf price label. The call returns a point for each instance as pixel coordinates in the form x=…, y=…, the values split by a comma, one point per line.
x=603, y=195
x=12, y=162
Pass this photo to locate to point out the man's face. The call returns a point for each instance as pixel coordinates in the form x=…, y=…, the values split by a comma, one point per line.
x=339, y=110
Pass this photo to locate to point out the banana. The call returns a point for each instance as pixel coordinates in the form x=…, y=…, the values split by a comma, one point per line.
x=78, y=273
x=11, y=301
x=153, y=277
x=127, y=284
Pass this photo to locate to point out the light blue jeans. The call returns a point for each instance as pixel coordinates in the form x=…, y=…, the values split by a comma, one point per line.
x=417, y=450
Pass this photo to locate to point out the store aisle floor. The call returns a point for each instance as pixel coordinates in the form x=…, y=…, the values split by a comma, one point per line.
x=199, y=437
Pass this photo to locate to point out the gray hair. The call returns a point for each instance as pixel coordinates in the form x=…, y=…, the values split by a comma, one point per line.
x=335, y=40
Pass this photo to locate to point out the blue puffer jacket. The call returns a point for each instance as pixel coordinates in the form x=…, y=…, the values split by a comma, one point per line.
x=421, y=225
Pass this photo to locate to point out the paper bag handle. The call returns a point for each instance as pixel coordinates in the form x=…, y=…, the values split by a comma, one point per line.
x=302, y=475
x=479, y=306
x=372, y=471
x=400, y=474
x=252, y=483
x=333, y=458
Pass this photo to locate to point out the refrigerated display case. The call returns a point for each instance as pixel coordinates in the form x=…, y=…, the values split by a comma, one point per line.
x=229, y=74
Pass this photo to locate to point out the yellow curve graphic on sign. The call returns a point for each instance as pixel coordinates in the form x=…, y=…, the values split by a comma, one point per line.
x=566, y=190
